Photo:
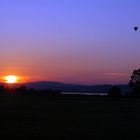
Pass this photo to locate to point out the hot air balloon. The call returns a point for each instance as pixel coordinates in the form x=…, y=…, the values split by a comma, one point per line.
x=136, y=28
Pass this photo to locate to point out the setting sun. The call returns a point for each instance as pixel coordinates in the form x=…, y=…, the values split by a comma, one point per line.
x=11, y=79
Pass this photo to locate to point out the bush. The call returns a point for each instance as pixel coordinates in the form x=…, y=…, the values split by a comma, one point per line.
x=114, y=91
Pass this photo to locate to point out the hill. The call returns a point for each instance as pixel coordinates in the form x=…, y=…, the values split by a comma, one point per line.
x=66, y=87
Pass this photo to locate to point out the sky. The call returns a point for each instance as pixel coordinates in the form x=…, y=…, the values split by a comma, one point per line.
x=73, y=41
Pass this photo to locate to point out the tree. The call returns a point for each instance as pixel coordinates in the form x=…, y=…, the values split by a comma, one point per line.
x=2, y=90
x=135, y=82
x=114, y=91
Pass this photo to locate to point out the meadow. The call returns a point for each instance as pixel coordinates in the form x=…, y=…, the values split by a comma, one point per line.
x=69, y=117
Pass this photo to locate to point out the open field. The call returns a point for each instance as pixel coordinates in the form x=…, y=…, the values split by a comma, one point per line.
x=69, y=117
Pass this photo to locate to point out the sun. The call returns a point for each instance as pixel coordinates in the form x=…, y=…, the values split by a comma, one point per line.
x=11, y=79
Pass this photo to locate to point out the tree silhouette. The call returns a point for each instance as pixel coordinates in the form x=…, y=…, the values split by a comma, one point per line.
x=135, y=82
x=2, y=90
x=114, y=91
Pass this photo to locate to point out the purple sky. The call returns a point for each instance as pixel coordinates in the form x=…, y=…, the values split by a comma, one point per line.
x=77, y=41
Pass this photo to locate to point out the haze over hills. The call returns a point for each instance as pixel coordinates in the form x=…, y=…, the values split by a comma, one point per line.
x=67, y=87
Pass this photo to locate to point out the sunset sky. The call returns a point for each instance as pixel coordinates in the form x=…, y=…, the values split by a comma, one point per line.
x=74, y=41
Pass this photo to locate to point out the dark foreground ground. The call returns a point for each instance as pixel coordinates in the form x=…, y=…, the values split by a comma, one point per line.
x=69, y=118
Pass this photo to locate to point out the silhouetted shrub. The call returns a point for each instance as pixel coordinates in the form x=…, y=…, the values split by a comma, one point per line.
x=2, y=90
x=114, y=91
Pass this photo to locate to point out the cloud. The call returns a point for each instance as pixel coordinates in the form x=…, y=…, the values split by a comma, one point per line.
x=116, y=75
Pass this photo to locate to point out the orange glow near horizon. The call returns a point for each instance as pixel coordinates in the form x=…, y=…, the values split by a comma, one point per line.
x=11, y=79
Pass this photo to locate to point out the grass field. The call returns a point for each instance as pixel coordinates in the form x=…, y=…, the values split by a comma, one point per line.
x=69, y=117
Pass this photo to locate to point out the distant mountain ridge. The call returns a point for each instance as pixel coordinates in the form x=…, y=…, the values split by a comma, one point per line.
x=67, y=87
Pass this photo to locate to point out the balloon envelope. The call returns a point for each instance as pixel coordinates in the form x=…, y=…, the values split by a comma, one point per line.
x=135, y=28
